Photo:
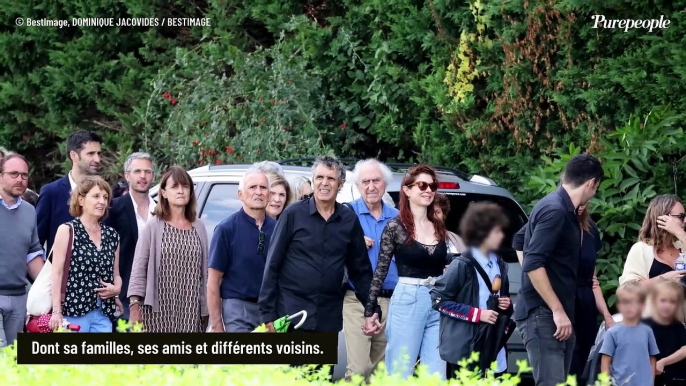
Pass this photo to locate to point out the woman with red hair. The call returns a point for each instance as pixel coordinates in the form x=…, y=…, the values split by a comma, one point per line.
x=417, y=239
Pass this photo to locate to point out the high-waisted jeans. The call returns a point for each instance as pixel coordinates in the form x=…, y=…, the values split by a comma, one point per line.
x=412, y=330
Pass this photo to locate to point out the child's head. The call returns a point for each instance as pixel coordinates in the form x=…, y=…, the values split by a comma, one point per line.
x=667, y=299
x=630, y=300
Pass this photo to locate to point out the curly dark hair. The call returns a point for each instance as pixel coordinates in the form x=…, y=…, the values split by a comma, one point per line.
x=479, y=220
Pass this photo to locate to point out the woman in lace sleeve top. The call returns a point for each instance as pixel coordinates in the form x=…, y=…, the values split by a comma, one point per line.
x=417, y=239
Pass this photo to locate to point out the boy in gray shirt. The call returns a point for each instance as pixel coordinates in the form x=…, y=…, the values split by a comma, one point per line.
x=629, y=348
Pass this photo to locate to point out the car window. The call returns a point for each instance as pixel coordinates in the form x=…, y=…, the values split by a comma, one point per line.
x=459, y=203
x=222, y=202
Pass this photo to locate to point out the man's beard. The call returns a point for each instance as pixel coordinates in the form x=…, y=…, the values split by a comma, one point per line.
x=85, y=169
x=144, y=191
x=11, y=194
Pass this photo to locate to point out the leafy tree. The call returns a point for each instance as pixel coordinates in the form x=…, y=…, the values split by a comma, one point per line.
x=641, y=159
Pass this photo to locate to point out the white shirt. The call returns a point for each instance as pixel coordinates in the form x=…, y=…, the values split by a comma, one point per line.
x=72, y=182
x=139, y=220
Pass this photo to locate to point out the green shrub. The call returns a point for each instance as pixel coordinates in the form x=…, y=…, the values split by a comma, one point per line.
x=641, y=159
x=238, y=375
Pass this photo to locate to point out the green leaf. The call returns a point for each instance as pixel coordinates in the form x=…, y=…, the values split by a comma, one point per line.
x=628, y=182
x=630, y=171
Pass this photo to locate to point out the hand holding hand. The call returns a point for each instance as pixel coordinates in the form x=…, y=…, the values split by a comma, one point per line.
x=372, y=325
x=504, y=303
x=564, y=326
x=488, y=316
x=672, y=225
x=108, y=290
x=369, y=241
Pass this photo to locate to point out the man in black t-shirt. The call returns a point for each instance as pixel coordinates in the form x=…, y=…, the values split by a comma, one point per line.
x=552, y=244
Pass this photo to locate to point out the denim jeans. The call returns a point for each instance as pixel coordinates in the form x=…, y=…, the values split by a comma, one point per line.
x=412, y=330
x=549, y=358
x=12, y=318
x=94, y=321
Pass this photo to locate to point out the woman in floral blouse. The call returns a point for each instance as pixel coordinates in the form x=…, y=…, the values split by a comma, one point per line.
x=93, y=280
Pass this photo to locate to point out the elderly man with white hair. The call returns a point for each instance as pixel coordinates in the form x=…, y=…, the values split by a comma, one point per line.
x=364, y=352
x=238, y=253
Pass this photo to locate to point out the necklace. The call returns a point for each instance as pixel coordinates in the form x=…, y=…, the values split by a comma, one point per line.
x=96, y=230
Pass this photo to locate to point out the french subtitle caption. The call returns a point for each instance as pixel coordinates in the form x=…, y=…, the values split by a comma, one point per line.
x=114, y=22
x=142, y=348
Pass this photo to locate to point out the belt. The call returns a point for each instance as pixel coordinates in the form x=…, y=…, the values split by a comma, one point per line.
x=429, y=281
x=384, y=293
x=249, y=300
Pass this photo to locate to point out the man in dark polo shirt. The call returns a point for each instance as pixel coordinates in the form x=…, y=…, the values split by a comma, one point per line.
x=238, y=253
x=552, y=244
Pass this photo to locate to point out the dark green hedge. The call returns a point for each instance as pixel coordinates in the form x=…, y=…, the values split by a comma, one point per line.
x=484, y=86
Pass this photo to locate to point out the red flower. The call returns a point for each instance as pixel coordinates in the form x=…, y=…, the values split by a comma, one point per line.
x=201, y=162
x=219, y=162
x=260, y=99
x=272, y=101
x=202, y=151
x=229, y=150
x=195, y=143
x=166, y=95
x=213, y=152
x=342, y=126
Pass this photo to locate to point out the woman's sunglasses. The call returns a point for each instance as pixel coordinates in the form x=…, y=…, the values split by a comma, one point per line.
x=423, y=186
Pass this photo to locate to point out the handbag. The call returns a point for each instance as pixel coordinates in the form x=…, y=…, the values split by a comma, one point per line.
x=39, y=299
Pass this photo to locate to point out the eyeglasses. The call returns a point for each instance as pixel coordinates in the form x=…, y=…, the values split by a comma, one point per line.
x=24, y=176
x=260, y=246
x=137, y=172
x=423, y=186
x=680, y=216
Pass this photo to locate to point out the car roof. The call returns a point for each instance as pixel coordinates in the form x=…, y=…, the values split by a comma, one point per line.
x=464, y=183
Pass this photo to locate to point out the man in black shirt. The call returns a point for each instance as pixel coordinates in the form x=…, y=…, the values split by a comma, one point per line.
x=552, y=245
x=314, y=240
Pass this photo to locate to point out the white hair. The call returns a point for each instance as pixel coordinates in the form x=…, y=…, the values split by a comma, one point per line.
x=135, y=156
x=252, y=170
x=268, y=167
x=386, y=172
x=298, y=184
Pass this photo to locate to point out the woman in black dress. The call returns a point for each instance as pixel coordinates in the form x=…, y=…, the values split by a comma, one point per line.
x=589, y=297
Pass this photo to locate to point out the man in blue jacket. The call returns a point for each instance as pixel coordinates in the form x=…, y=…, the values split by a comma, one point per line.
x=52, y=208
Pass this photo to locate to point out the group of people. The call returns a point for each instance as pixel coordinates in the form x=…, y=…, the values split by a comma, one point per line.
x=404, y=289
x=560, y=298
